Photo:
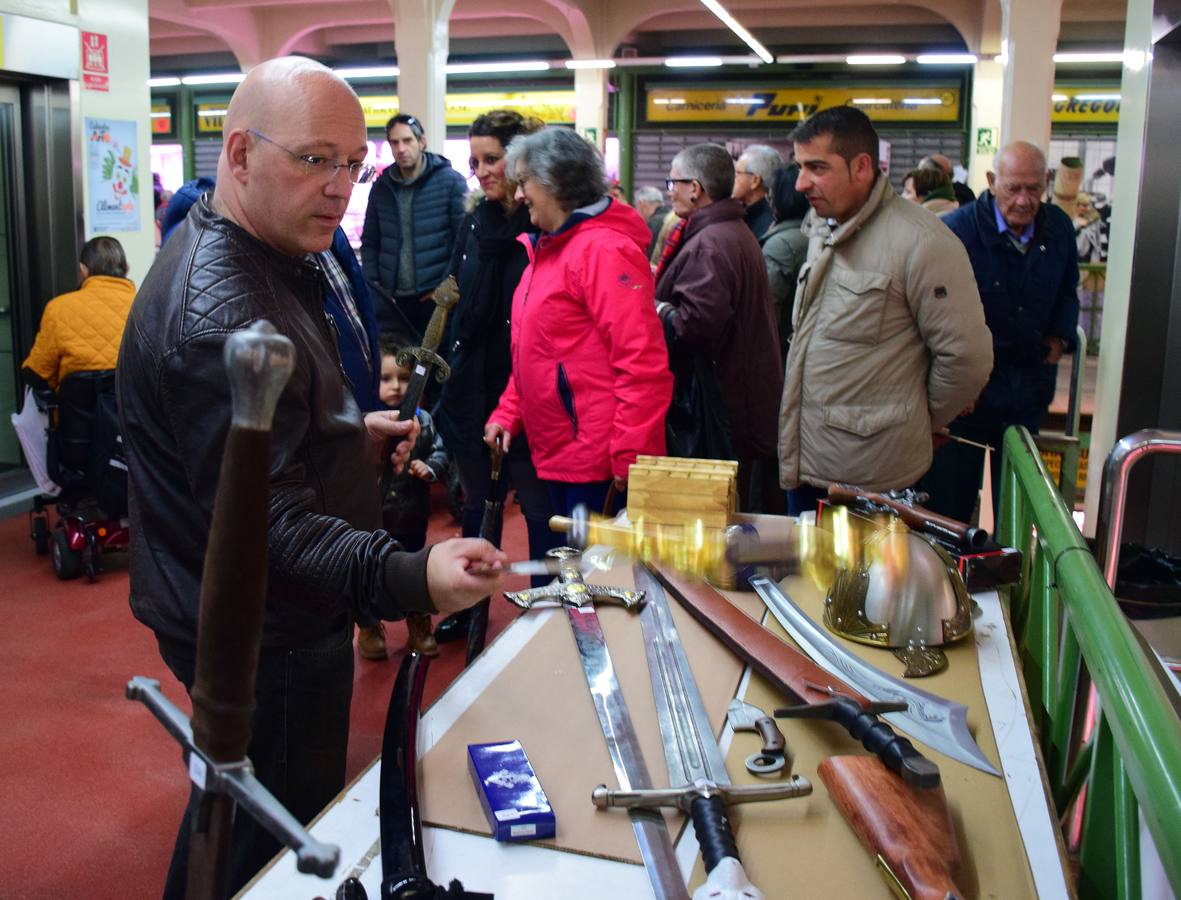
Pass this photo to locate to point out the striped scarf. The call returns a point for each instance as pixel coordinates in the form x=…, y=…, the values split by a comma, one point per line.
x=671, y=243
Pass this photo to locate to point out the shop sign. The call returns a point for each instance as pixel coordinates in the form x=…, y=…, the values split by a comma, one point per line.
x=927, y=103
x=96, y=74
x=161, y=118
x=552, y=107
x=1086, y=105
x=211, y=117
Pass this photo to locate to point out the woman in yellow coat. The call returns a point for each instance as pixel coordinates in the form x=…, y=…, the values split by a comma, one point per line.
x=80, y=331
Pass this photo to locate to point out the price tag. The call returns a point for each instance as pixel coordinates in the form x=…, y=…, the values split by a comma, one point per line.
x=197, y=770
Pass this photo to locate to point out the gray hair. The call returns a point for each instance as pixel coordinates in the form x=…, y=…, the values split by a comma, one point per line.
x=762, y=160
x=710, y=166
x=649, y=194
x=564, y=164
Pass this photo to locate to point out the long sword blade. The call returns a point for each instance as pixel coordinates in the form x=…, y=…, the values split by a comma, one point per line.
x=936, y=721
x=690, y=746
x=652, y=835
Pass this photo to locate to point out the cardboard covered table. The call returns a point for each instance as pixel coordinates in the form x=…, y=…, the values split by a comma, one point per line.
x=529, y=685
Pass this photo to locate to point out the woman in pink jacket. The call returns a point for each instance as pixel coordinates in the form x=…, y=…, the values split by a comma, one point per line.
x=590, y=383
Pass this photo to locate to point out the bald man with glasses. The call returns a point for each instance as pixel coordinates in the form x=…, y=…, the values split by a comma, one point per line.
x=294, y=145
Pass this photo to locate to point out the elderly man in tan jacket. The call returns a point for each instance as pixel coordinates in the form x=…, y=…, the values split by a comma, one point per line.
x=890, y=342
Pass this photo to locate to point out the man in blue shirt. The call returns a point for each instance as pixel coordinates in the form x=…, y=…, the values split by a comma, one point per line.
x=1024, y=257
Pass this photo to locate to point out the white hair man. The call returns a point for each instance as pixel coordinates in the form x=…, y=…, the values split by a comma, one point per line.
x=752, y=182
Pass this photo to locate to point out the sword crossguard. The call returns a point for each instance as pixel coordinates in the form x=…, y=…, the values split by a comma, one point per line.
x=424, y=356
x=236, y=779
x=683, y=797
x=571, y=589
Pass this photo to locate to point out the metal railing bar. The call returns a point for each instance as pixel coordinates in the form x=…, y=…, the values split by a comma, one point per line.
x=1142, y=721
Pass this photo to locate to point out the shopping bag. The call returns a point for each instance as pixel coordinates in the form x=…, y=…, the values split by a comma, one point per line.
x=32, y=430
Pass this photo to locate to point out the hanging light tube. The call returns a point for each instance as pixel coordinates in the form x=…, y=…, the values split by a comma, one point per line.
x=734, y=25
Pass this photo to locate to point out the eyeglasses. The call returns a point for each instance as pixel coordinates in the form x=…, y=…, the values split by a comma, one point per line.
x=669, y=182
x=359, y=173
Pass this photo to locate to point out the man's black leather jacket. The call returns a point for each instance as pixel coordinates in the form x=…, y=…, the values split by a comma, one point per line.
x=326, y=558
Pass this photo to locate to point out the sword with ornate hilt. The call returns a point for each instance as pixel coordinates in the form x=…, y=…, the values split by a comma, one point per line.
x=259, y=362
x=697, y=775
x=578, y=599
x=423, y=362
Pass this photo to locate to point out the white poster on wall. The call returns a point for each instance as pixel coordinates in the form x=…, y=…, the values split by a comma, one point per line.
x=112, y=178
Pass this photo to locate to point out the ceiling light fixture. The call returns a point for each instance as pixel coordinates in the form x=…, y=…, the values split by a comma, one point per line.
x=1096, y=97
x=946, y=59
x=163, y=82
x=211, y=112
x=809, y=58
x=734, y=25
x=875, y=59
x=368, y=72
x=590, y=64
x=668, y=101
x=743, y=101
x=1090, y=57
x=1058, y=98
x=214, y=78
x=523, y=65
x=872, y=101
x=692, y=62
x=161, y=115
x=922, y=101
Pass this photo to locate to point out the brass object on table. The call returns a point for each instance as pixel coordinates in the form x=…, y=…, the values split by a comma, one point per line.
x=904, y=593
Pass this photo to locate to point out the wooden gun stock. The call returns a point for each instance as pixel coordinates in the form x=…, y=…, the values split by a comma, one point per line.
x=908, y=831
x=918, y=518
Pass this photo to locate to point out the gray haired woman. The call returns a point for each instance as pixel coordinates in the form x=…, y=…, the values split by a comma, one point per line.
x=590, y=383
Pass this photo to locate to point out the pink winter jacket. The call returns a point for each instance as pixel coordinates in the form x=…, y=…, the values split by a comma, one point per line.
x=590, y=384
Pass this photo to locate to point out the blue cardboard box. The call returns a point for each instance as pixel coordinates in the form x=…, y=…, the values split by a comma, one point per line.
x=516, y=806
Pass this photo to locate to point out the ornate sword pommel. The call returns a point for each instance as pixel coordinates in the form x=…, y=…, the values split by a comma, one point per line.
x=259, y=362
x=571, y=589
x=683, y=797
x=446, y=295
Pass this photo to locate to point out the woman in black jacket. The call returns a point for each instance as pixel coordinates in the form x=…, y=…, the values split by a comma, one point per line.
x=487, y=265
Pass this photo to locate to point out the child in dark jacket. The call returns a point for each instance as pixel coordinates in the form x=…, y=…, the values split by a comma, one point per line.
x=406, y=505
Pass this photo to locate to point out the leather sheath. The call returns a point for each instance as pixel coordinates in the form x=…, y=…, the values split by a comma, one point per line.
x=785, y=667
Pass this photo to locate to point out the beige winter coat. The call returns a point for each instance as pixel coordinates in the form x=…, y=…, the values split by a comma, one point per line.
x=890, y=343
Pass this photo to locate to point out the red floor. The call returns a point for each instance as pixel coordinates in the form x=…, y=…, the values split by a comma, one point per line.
x=92, y=787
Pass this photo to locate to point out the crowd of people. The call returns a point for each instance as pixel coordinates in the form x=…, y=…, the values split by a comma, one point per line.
x=799, y=317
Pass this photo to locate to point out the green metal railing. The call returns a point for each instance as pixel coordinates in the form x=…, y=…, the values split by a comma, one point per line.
x=1068, y=628
x=1092, y=283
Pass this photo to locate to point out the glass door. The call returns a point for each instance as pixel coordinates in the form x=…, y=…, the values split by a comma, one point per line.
x=10, y=164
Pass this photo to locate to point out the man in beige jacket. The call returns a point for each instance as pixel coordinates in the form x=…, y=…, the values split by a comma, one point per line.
x=890, y=342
